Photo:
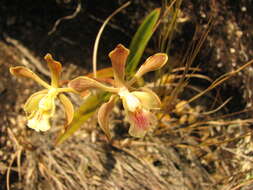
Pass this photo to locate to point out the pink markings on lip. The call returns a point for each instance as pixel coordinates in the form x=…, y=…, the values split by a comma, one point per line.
x=140, y=119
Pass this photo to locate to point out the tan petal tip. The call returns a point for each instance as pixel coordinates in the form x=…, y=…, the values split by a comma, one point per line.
x=162, y=58
x=21, y=71
x=12, y=70
x=48, y=56
x=120, y=49
x=155, y=62
x=17, y=70
x=53, y=64
x=118, y=58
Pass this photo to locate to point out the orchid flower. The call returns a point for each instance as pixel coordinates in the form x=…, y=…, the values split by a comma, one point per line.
x=137, y=103
x=40, y=106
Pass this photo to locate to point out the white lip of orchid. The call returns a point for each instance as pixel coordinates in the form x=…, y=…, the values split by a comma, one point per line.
x=131, y=101
x=40, y=122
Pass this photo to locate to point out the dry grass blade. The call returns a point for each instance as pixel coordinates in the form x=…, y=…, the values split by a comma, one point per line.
x=219, y=123
x=50, y=175
x=16, y=155
x=9, y=170
x=220, y=80
x=238, y=154
x=183, y=69
x=167, y=78
x=245, y=183
x=217, y=109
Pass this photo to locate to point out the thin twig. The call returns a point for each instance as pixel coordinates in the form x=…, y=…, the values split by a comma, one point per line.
x=78, y=9
x=95, y=49
x=217, y=109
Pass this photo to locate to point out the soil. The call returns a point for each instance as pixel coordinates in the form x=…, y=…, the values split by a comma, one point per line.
x=160, y=161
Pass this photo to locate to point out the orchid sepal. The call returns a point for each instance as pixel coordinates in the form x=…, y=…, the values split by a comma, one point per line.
x=55, y=68
x=103, y=116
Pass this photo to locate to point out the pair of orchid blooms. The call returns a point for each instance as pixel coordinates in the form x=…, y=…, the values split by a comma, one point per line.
x=137, y=103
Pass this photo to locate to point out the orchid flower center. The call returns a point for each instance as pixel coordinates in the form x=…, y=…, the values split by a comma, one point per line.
x=47, y=102
x=130, y=100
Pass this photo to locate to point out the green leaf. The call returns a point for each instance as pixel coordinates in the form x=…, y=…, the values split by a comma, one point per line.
x=84, y=112
x=141, y=39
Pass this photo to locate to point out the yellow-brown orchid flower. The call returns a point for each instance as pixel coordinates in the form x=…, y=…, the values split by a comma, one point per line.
x=40, y=106
x=137, y=103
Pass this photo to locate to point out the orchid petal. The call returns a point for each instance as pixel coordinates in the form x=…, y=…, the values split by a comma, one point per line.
x=55, y=69
x=21, y=71
x=33, y=101
x=153, y=63
x=118, y=58
x=103, y=116
x=141, y=121
x=81, y=84
x=68, y=108
x=148, y=99
x=40, y=122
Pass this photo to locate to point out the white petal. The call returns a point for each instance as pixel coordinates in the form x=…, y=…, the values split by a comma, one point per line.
x=40, y=122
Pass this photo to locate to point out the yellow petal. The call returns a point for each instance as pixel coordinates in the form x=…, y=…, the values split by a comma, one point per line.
x=32, y=104
x=81, y=84
x=21, y=71
x=103, y=116
x=55, y=69
x=68, y=108
x=148, y=99
x=153, y=63
x=141, y=121
x=118, y=58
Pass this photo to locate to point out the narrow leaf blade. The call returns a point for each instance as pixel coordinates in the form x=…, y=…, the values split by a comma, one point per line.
x=141, y=39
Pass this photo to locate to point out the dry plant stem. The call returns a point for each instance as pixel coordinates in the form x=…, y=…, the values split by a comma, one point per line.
x=217, y=109
x=17, y=154
x=248, y=182
x=9, y=170
x=183, y=68
x=95, y=49
x=238, y=154
x=236, y=113
x=211, y=124
x=192, y=52
x=220, y=80
x=78, y=9
x=164, y=15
